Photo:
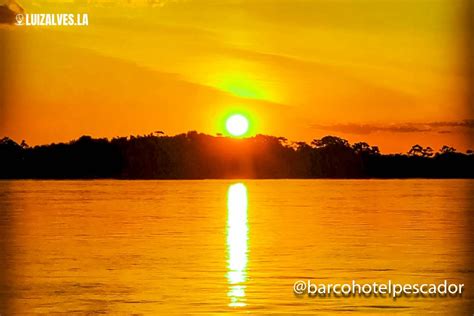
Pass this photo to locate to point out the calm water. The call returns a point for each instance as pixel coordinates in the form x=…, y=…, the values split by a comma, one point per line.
x=212, y=247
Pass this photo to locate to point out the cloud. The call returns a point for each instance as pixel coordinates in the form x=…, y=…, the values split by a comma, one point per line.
x=464, y=123
x=8, y=11
x=7, y=16
x=439, y=127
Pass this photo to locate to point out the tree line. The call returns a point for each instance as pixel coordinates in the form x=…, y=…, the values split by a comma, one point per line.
x=194, y=155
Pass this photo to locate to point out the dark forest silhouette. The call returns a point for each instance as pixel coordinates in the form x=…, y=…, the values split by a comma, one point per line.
x=198, y=156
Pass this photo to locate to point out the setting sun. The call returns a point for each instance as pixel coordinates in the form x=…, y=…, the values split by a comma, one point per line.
x=237, y=125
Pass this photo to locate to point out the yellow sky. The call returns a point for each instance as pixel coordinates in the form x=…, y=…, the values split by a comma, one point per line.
x=393, y=73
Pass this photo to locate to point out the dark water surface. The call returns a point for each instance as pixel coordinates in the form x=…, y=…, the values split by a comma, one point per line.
x=212, y=247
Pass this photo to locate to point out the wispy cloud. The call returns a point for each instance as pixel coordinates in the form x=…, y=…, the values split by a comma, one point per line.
x=8, y=10
x=439, y=127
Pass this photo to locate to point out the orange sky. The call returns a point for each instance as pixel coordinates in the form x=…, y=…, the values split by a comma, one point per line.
x=392, y=73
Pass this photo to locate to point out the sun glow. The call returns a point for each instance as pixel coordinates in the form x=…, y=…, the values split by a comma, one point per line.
x=237, y=243
x=237, y=125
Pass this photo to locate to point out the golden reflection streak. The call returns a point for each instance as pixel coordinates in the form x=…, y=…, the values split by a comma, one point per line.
x=237, y=243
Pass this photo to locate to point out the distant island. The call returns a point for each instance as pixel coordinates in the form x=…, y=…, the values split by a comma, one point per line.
x=199, y=156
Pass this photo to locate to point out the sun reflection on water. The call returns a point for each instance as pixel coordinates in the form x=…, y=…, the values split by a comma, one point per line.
x=237, y=243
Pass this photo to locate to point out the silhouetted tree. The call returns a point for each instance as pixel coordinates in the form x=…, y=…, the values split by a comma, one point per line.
x=361, y=147
x=24, y=144
x=427, y=152
x=195, y=156
x=375, y=150
x=447, y=149
x=330, y=141
x=416, y=150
